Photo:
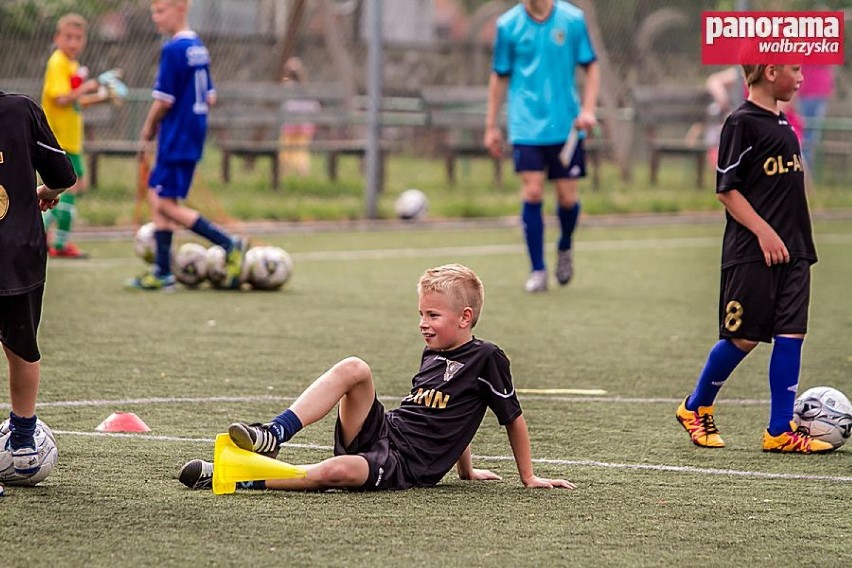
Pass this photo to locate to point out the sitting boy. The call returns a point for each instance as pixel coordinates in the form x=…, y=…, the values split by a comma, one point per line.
x=416, y=444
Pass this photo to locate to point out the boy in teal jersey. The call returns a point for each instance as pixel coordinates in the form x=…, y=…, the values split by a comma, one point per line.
x=539, y=44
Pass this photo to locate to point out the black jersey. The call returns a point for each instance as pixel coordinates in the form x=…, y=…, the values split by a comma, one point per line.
x=27, y=145
x=759, y=156
x=438, y=419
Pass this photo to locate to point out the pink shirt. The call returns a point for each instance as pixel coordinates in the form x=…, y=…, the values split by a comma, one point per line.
x=818, y=82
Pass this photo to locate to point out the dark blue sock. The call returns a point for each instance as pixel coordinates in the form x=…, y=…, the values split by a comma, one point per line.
x=23, y=430
x=534, y=233
x=260, y=484
x=212, y=233
x=568, y=222
x=163, y=256
x=286, y=425
x=721, y=362
x=784, y=366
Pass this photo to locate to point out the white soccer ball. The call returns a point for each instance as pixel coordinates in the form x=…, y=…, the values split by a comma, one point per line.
x=190, y=264
x=216, y=268
x=411, y=204
x=47, y=454
x=269, y=268
x=826, y=414
x=144, y=244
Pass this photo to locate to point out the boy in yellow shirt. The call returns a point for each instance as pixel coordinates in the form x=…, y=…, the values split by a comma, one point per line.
x=66, y=91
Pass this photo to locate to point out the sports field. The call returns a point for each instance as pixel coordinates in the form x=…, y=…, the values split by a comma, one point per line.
x=636, y=323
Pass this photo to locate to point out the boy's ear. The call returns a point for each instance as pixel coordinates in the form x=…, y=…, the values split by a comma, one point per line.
x=771, y=73
x=466, y=316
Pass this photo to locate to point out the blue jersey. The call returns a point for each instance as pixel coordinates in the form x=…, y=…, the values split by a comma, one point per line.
x=183, y=80
x=540, y=58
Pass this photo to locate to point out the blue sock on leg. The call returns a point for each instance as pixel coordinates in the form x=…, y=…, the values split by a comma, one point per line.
x=212, y=233
x=721, y=362
x=163, y=256
x=286, y=425
x=784, y=366
x=534, y=233
x=23, y=430
x=568, y=222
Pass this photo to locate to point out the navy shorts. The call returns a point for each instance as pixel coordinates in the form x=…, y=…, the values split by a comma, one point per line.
x=19, y=318
x=546, y=158
x=758, y=302
x=172, y=179
x=373, y=443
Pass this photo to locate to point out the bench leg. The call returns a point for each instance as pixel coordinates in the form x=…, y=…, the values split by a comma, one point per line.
x=655, y=166
x=596, y=170
x=226, y=166
x=93, y=170
x=450, y=164
x=276, y=172
x=498, y=172
x=700, y=163
x=332, y=166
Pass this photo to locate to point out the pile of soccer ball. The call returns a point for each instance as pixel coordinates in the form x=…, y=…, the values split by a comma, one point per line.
x=47, y=454
x=264, y=268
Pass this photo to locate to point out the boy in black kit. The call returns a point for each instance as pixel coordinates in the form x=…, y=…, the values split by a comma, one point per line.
x=767, y=253
x=416, y=444
x=27, y=145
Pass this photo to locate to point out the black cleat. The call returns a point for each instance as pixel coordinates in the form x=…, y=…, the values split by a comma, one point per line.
x=197, y=474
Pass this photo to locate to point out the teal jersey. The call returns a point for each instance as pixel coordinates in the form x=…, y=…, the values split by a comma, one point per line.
x=540, y=59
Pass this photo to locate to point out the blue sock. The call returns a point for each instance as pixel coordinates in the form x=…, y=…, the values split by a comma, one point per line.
x=286, y=425
x=784, y=365
x=568, y=222
x=721, y=362
x=260, y=484
x=23, y=430
x=534, y=233
x=211, y=232
x=163, y=256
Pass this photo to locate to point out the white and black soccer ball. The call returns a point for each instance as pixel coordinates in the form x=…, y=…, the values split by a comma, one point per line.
x=47, y=455
x=826, y=414
x=268, y=268
x=144, y=244
x=190, y=264
x=217, y=271
x=411, y=204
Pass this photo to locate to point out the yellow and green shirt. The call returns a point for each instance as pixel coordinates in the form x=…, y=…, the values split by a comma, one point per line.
x=60, y=78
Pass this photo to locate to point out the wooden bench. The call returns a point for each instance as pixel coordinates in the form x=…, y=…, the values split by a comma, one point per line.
x=666, y=114
x=457, y=115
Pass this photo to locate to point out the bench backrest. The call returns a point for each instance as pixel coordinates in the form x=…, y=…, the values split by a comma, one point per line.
x=456, y=108
x=670, y=104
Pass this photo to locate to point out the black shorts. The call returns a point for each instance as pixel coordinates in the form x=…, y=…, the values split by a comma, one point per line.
x=758, y=302
x=373, y=443
x=19, y=318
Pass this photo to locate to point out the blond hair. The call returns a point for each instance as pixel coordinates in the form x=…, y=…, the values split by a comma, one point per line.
x=174, y=2
x=72, y=20
x=461, y=286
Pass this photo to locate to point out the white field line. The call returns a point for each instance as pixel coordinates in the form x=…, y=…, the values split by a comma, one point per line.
x=235, y=399
x=545, y=461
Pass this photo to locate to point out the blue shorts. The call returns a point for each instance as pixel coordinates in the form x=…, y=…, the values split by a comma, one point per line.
x=172, y=179
x=546, y=158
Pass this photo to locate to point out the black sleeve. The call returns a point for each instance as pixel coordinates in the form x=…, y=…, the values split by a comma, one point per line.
x=735, y=155
x=496, y=383
x=50, y=161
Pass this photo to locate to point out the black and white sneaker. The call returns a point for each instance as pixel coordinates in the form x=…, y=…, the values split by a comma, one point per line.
x=564, y=266
x=257, y=438
x=197, y=474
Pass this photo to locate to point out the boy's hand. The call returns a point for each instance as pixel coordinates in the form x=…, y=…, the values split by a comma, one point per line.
x=47, y=198
x=774, y=250
x=493, y=141
x=586, y=121
x=480, y=475
x=542, y=483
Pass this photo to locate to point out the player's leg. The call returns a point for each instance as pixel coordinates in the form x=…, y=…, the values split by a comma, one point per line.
x=567, y=177
x=65, y=213
x=349, y=382
x=529, y=165
x=160, y=277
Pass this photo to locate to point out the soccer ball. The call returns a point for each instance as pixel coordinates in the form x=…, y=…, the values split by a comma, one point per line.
x=47, y=454
x=216, y=269
x=826, y=414
x=411, y=204
x=190, y=264
x=144, y=244
x=269, y=268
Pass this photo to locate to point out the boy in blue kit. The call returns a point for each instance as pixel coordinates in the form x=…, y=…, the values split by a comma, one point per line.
x=416, y=444
x=767, y=254
x=539, y=44
x=27, y=145
x=182, y=94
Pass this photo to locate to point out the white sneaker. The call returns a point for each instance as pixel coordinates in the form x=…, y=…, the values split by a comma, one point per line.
x=25, y=461
x=537, y=282
x=564, y=266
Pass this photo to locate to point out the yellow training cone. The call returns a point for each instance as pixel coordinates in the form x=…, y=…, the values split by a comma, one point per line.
x=232, y=464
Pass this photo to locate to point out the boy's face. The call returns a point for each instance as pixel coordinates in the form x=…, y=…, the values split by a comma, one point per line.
x=788, y=78
x=71, y=40
x=169, y=16
x=442, y=326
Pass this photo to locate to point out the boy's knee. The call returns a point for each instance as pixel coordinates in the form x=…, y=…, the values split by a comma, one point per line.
x=744, y=344
x=355, y=367
x=339, y=473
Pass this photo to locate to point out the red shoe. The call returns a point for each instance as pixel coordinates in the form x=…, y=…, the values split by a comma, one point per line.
x=70, y=250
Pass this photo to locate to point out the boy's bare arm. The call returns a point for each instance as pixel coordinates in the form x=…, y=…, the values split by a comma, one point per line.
x=152, y=121
x=465, y=469
x=493, y=139
x=587, y=118
x=79, y=93
x=519, y=438
x=774, y=249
